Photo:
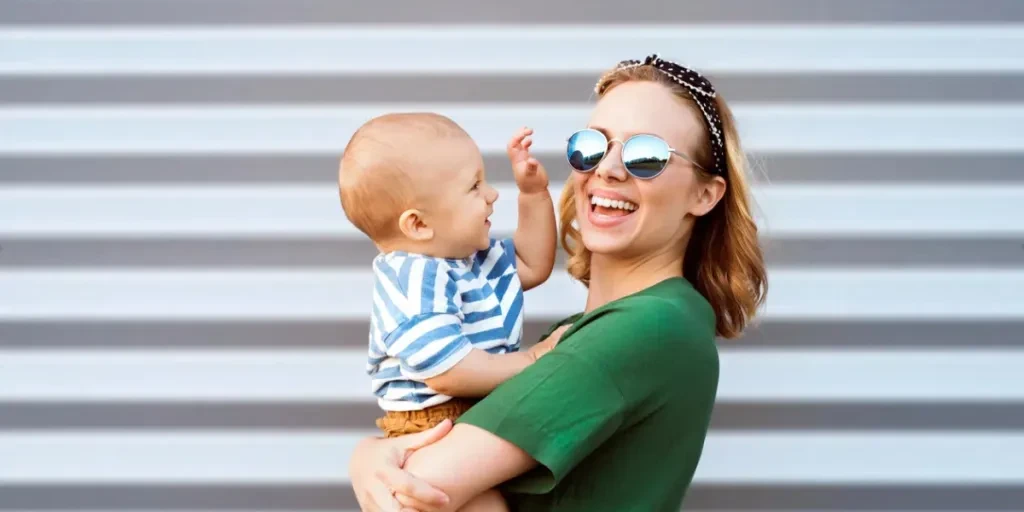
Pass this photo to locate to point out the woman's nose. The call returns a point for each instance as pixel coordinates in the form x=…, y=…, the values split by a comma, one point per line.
x=611, y=167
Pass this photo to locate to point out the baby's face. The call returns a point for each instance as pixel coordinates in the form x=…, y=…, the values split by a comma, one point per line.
x=458, y=200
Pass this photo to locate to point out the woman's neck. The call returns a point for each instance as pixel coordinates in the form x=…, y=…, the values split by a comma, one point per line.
x=612, y=279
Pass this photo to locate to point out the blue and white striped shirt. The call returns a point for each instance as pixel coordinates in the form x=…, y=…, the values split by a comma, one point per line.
x=428, y=313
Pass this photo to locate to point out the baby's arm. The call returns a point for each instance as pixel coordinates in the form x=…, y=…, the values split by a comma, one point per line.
x=534, y=238
x=535, y=235
x=480, y=372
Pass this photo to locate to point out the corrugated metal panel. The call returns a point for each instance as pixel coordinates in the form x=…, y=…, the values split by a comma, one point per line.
x=180, y=319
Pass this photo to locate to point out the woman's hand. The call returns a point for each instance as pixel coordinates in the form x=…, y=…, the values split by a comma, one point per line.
x=376, y=472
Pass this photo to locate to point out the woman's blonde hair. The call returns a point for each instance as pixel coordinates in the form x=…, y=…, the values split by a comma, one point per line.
x=723, y=259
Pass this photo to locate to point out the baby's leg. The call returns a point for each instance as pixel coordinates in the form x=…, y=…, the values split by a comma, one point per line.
x=488, y=501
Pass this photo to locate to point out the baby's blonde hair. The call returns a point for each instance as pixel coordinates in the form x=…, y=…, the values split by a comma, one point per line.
x=376, y=169
x=723, y=259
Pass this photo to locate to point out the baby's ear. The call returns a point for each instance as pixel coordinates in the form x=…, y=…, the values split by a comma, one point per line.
x=412, y=226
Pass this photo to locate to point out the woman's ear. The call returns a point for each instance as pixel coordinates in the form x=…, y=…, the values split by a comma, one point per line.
x=414, y=227
x=709, y=193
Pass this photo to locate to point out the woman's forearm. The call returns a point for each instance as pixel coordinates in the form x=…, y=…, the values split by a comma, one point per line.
x=467, y=462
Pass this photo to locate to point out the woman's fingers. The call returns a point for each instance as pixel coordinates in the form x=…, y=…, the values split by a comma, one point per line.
x=401, y=482
x=410, y=503
x=413, y=442
x=378, y=498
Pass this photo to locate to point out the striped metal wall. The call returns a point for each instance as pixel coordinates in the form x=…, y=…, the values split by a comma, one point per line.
x=183, y=305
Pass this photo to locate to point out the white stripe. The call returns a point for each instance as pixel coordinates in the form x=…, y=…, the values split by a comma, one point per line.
x=482, y=325
x=441, y=281
x=397, y=402
x=438, y=368
x=300, y=457
x=856, y=375
x=517, y=330
x=499, y=49
x=863, y=458
x=492, y=258
x=764, y=128
x=496, y=342
x=174, y=458
x=288, y=211
x=822, y=293
x=487, y=303
x=380, y=309
x=394, y=295
x=509, y=299
x=191, y=376
x=430, y=350
x=416, y=283
x=419, y=330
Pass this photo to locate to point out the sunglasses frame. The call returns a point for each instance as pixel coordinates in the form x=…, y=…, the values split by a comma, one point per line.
x=671, y=151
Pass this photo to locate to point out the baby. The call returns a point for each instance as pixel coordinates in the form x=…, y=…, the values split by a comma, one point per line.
x=448, y=299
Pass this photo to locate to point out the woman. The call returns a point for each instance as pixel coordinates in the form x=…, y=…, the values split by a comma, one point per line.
x=656, y=222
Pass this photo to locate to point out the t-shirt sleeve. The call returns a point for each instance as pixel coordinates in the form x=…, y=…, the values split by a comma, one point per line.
x=608, y=370
x=559, y=410
x=428, y=344
x=428, y=340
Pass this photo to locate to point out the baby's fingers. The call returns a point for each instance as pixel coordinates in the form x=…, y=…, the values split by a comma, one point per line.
x=518, y=138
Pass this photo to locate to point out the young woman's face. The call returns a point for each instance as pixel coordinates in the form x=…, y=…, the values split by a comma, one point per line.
x=655, y=213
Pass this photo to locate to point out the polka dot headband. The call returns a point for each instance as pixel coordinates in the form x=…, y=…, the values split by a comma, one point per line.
x=699, y=88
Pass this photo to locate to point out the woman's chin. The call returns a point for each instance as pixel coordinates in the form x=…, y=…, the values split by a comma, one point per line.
x=601, y=242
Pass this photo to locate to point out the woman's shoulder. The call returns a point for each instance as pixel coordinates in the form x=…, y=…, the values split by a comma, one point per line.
x=672, y=308
x=670, y=318
x=650, y=339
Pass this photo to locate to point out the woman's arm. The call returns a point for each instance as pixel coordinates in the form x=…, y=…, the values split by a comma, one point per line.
x=380, y=466
x=376, y=473
x=528, y=421
x=467, y=462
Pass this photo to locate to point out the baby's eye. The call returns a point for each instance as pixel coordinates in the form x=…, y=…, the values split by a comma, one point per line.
x=476, y=186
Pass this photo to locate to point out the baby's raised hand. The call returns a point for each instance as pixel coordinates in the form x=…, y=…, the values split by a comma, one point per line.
x=529, y=173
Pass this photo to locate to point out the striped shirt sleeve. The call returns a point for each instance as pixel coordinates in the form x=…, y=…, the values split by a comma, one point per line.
x=429, y=340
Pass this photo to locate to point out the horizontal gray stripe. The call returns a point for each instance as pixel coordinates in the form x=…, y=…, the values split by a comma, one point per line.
x=236, y=253
x=889, y=253
x=706, y=497
x=334, y=416
x=521, y=88
x=198, y=335
x=320, y=168
x=325, y=334
x=527, y=11
x=199, y=415
x=881, y=334
x=178, y=497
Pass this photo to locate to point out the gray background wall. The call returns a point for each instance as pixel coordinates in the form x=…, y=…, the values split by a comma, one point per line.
x=183, y=306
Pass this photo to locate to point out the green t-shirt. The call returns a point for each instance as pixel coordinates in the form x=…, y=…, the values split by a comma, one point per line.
x=617, y=413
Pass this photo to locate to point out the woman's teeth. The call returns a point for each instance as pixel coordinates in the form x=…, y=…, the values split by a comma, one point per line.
x=611, y=203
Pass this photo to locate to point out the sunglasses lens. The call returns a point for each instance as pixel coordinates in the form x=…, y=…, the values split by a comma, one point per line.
x=586, y=149
x=645, y=156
